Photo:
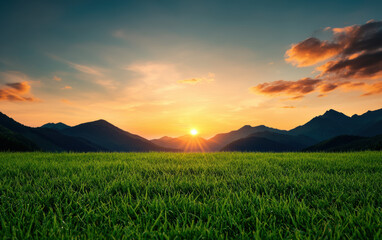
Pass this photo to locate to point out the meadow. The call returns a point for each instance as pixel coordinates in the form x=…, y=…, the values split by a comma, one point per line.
x=191, y=195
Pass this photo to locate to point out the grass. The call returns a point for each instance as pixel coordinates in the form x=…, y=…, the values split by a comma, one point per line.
x=191, y=195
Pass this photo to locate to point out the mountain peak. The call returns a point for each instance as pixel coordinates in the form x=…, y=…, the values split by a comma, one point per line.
x=56, y=126
x=100, y=122
x=245, y=127
x=334, y=114
x=166, y=138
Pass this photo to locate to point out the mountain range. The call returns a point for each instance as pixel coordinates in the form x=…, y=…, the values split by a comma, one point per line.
x=332, y=131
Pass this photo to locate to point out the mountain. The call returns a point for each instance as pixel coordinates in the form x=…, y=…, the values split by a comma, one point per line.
x=373, y=129
x=186, y=143
x=104, y=134
x=11, y=141
x=46, y=139
x=269, y=142
x=57, y=126
x=328, y=125
x=368, y=118
x=255, y=144
x=333, y=123
x=346, y=143
x=223, y=139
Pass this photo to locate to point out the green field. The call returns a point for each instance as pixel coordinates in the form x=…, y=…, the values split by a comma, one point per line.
x=191, y=195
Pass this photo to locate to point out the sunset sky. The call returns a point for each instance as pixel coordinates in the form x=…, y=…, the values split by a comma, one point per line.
x=158, y=68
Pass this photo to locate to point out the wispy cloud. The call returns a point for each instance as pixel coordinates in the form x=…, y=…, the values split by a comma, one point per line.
x=86, y=69
x=154, y=77
x=92, y=70
x=209, y=78
x=58, y=79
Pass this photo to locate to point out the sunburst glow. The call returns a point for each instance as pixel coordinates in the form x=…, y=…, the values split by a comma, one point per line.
x=193, y=132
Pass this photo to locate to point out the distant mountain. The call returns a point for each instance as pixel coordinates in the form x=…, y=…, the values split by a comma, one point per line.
x=186, y=143
x=223, y=139
x=56, y=126
x=256, y=144
x=11, y=141
x=104, y=134
x=46, y=139
x=329, y=125
x=373, y=129
x=368, y=118
x=352, y=132
x=269, y=142
x=346, y=143
x=334, y=123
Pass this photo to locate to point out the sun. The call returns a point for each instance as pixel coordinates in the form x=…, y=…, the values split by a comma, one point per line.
x=193, y=132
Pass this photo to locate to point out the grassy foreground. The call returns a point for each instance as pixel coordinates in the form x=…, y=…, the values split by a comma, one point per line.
x=191, y=196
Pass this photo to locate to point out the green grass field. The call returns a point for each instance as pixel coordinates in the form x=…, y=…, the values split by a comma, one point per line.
x=191, y=196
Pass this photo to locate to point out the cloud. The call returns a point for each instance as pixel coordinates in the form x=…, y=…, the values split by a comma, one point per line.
x=58, y=79
x=347, y=41
x=297, y=88
x=209, y=78
x=91, y=70
x=16, y=92
x=354, y=53
x=364, y=66
x=328, y=87
x=290, y=107
x=66, y=88
x=373, y=89
x=155, y=78
x=311, y=51
x=86, y=69
x=191, y=81
x=15, y=87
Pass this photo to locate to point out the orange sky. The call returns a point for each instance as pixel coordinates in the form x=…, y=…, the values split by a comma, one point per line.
x=155, y=71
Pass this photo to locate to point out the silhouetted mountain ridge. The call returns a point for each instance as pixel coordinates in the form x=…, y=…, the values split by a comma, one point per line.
x=56, y=126
x=272, y=141
x=354, y=132
x=346, y=143
x=112, y=138
x=47, y=139
x=223, y=139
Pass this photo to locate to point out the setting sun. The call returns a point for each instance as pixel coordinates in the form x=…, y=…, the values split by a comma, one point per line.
x=193, y=132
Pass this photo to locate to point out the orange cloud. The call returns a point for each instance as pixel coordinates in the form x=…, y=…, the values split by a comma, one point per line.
x=16, y=92
x=311, y=51
x=209, y=78
x=299, y=88
x=58, y=79
x=191, y=81
x=355, y=52
x=348, y=43
x=328, y=87
x=375, y=88
x=66, y=88
x=364, y=66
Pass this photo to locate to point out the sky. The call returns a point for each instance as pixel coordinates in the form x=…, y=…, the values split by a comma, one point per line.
x=157, y=68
